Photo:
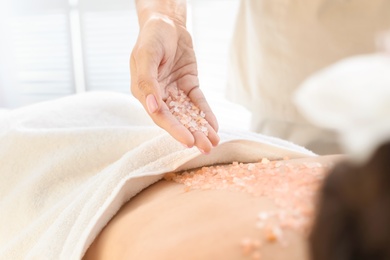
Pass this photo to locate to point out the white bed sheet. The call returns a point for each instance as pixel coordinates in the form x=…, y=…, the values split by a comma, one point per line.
x=67, y=166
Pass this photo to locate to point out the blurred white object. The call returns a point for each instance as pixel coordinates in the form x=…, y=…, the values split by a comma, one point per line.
x=353, y=98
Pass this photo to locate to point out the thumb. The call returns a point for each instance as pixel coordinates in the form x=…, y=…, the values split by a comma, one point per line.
x=144, y=83
x=149, y=94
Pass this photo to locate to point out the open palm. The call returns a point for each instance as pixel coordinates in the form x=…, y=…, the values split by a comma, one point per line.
x=163, y=58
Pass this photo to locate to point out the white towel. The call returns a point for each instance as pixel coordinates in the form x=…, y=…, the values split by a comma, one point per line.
x=67, y=166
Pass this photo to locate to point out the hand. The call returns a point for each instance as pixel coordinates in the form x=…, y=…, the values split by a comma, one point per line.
x=164, y=57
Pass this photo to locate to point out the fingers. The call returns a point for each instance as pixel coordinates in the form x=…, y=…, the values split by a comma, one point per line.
x=167, y=121
x=185, y=112
x=164, y=119
x=145, y=88
x=205, y=143
x=213, y=136
x=202, y=142
x=190, y=83
x=197, y=97
x=144, y=68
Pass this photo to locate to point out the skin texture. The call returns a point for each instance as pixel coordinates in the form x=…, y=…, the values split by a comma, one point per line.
x=163, y=57
x=167, y=222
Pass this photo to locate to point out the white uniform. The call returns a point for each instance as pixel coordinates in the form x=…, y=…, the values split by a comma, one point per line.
x=277, y=44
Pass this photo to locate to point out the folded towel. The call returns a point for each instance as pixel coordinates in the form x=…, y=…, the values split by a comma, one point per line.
x=351, y=97
x=67, y=166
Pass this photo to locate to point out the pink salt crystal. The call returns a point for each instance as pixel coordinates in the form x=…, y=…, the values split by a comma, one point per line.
x=185, y=111
x=169, y=176
x=263, y=215
x=318, y=165
x=270, y=236
x=260, y=224
x=238, y=181
x=273, y=234
x=247, y=246
x=312, y=165
x=278, y=164
x=278, y=232
x=251, y=166
x=265, y=161
x=293, y=191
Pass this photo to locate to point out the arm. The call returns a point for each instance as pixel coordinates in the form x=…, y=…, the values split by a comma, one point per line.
x=175, y=10
x=164, y=57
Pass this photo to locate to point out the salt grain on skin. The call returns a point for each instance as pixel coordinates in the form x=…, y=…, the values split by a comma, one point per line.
x=292, y=190
x=265, y=161
x=246, y=245
x=250, y=246
x=274, y=234
x=186, y=112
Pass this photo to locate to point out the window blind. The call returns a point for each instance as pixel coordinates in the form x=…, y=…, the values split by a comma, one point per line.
x=60, y=47
x=42, y=56
x=108, y=40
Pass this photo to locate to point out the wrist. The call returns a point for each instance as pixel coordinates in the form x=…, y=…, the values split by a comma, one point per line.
x=172, y=11
x=156, y=16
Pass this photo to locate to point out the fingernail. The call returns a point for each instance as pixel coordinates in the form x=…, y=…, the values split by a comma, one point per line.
x=151, y=103
x=202, y=151
x=186, y=146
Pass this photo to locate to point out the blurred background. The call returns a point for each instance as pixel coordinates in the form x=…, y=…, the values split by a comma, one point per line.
x=53, y=48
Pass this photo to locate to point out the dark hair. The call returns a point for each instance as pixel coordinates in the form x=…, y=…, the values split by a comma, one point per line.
x=353, y=215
